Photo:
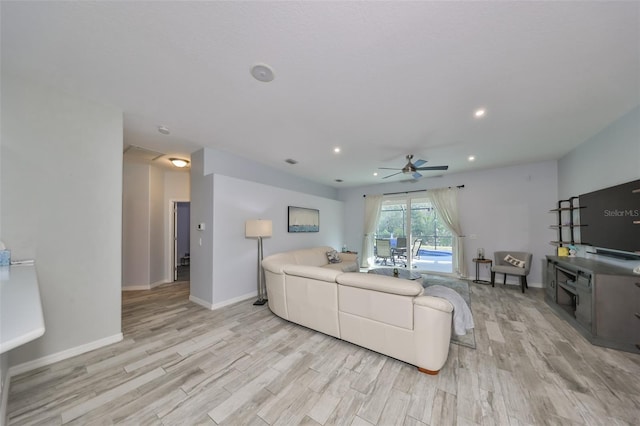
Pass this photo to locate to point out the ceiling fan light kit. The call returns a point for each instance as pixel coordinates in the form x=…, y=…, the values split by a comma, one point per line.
x=413, y=168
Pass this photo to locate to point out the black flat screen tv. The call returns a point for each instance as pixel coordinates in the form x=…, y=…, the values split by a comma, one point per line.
x=610, y=218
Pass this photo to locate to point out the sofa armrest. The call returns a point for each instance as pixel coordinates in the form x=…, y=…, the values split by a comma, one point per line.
x=380, y=283
x=432, y=322
x=273, y=265
x=313, y=272
x=434, y=303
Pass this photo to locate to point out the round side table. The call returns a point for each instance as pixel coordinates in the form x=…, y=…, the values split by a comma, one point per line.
x=478, y=262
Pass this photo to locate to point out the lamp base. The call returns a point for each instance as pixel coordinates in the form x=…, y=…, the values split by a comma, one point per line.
x=260, y=302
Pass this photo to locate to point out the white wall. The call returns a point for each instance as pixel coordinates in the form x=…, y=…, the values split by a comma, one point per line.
x=508, y=209
x=62, y=205
x=157, y=266
x=135, y=225
x=201, y=269
x=500, y=209
x=234, y=256
x=223, y=261
x=609, y=158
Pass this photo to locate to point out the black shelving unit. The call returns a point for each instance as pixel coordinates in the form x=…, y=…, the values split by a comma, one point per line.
x=569, y=207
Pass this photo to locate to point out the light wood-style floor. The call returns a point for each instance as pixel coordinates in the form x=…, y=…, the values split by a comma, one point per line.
x=182, y=364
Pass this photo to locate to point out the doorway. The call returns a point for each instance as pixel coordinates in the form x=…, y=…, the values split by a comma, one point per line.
x=181, y=240
x=417, y=238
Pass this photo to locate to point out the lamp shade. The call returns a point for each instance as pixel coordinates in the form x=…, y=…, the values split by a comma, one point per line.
x=257, y=228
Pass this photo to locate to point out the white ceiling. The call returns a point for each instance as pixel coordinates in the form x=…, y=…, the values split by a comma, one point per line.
x=378, y=79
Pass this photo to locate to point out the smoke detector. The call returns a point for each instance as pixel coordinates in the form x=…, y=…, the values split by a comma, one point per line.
x=262, y=72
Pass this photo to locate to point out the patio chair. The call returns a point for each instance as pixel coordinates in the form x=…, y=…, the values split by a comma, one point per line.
x=383, y=251
x=415, y=250
x=400, y=251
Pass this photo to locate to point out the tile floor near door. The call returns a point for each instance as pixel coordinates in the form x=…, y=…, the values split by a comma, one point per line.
x=182, y=364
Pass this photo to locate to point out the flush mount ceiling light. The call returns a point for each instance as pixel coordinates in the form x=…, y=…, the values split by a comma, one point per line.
x=262, y=72
x=480, y=112
x=375, y=173
x=471, y=158
x=164, y=130
x=179, y=162
x=336, y=150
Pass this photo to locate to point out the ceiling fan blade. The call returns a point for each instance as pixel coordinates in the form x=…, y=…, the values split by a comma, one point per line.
x=433, y=168
x=391, y=175
x=389, y=168
x=416, y=175
x=419, y=163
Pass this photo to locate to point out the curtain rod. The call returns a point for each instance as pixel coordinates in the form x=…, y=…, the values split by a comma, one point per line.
x=417, y=190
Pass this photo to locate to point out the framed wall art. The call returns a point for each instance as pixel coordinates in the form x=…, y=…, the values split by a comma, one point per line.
x=303, y=220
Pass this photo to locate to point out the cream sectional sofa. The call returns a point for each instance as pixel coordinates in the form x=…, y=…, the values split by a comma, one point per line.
x=385, y=314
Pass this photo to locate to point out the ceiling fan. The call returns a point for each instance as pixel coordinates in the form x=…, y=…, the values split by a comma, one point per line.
x=413, y=168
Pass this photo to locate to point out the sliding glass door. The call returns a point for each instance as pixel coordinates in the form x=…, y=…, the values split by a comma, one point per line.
x=417, y=239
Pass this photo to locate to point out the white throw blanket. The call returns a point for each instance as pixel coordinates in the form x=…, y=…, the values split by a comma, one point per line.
x=462, y=317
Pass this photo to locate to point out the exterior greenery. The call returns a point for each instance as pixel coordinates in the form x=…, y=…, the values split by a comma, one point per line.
x=424, y=224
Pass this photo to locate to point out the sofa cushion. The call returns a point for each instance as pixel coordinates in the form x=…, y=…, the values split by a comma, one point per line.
x=333, y=257
x=343, y=267
x=313, y=272
x=275, y=262
x=316, y=256
x=380, y=283
x=508, y=269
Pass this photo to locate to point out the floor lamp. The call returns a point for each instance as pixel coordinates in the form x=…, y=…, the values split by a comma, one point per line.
x=259, y=228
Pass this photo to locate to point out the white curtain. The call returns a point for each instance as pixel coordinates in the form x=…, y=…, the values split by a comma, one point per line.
x=445, y=201
x=372, y=205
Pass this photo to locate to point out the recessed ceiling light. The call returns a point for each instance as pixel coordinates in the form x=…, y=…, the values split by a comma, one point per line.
x=339, y=180
x=164, y=130
x=480, y=112
x=336, y=149
x=471, y=158
x=375, y=173
x=179, y=162
x=262, y=72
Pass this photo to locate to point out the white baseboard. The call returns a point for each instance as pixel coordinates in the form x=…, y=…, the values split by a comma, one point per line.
x=213, y=307
x=136, y=287
x=59, y=356
x=144, y=286
x=235, y=300
x=200, y=302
